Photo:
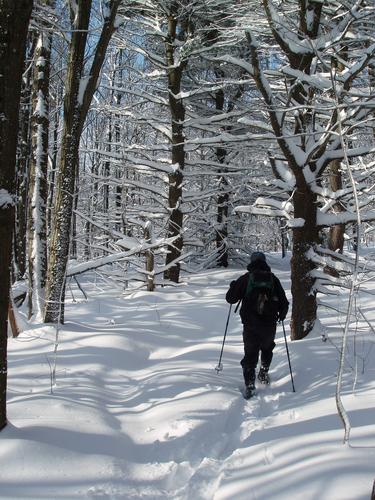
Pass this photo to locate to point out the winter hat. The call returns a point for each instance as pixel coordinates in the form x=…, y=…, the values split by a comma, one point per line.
x=257, y=256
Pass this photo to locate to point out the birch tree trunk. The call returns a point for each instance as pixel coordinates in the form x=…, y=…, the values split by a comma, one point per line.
x=38, y=191
x=14, y=21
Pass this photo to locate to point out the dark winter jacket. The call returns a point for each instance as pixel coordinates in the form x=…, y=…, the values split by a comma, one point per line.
x=237, y=291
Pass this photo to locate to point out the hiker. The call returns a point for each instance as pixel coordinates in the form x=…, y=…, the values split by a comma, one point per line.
x=263, y=303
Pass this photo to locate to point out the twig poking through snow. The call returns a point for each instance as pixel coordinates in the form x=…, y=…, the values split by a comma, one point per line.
x=340, y=407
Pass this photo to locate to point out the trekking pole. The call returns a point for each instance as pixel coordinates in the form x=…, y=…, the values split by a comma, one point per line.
x=287, y=351
x=238, y=305
x=219, y=366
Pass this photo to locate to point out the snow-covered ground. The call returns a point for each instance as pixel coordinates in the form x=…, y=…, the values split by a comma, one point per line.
x=138, y=411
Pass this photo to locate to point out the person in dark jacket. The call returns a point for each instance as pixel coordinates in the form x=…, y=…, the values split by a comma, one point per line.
x=258, y=330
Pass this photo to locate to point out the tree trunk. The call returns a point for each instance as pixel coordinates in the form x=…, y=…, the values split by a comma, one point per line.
x=150, y=261
x=12, y=317
x=38, y=191
x=178, y=155
x=22, y=167
x=304, y=238
x=337, y=231
x=78, y=96
x=14, y=21
x=223, y=196
x=54, y=148
x=118, y=81
x=371, y=72
x=65, y=185
x=222, y=218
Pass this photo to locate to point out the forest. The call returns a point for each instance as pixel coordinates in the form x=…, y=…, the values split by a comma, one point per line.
x=145, y=142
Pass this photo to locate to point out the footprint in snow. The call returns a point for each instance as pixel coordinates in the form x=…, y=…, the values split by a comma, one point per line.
x=271, y=401
x=268, y=456
x=98, y=493
x=293, y=415
x=205, y=479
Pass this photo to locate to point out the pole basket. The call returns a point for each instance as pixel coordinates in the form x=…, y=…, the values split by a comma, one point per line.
x=219, y=368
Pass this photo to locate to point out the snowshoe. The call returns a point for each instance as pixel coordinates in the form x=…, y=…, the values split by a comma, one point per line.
x=263, y=376
x=249, y=391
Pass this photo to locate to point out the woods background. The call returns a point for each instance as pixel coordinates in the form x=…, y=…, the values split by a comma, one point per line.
x=144, y=140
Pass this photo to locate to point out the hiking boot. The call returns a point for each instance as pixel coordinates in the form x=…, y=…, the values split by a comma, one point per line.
x=249, y=376
x=263, y=376
x=249, y=390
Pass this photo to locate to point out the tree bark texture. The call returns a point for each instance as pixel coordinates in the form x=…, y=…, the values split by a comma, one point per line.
x=150, y=260
x=65, y=182
x=304, y=299
x=371, y=72
x=336, y=232
x=12, y=317
x=22, y=167
x=38, y=190
x=177, y=111
x=223, y=197
x=14, y=21
x=54, y=152
x=222, y=221
x=78, y=96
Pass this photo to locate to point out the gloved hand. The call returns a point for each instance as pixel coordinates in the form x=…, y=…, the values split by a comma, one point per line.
x=281, y=316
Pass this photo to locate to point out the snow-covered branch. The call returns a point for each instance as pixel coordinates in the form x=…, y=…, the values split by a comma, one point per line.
x=135, y=248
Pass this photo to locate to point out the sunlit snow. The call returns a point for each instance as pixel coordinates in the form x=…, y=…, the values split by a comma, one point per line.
x=138, y=411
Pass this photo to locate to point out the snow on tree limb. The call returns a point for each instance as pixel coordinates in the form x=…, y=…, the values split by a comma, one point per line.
x=314, y=81
x=236, y=61
x=268, y=212
x=293, y=44
x=330, y=219
x=349, y=74
x=74, y=269
x=6, y=199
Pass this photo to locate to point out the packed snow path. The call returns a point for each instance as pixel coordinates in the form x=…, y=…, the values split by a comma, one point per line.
x=138, y=410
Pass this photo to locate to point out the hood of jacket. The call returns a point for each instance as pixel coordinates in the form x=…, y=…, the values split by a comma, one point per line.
x=258, y=265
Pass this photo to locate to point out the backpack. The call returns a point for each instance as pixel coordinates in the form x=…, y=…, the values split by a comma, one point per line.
x=259, y=291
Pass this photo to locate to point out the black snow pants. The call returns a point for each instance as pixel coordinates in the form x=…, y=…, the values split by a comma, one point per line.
x=257, y=337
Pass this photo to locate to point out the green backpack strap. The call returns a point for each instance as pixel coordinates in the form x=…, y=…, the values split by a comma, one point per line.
x=250, y=285
x=272, y=284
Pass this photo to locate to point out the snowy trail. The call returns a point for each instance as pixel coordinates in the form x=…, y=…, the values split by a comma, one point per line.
x=139, y=411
